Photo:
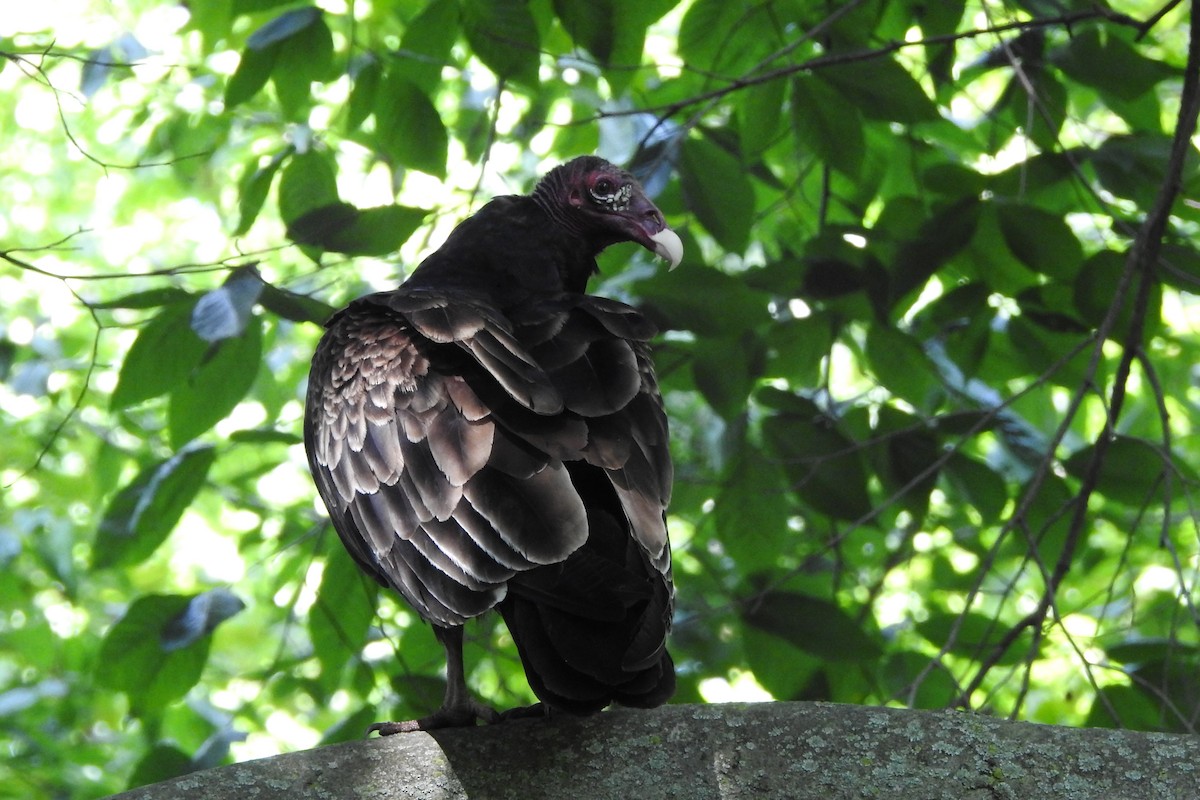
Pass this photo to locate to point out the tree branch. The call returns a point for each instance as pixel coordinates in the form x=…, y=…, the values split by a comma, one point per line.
x=1140, y=264
x=836, y=59
x=803, y=751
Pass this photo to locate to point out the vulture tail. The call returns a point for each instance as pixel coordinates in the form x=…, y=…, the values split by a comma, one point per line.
x=591, y=630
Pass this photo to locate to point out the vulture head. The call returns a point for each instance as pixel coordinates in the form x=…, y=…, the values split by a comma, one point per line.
x=605, y=205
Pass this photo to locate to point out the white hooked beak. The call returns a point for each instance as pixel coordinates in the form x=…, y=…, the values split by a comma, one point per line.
x=668, y=245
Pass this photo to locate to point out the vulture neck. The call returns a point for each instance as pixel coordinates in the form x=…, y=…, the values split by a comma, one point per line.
x=511, y=250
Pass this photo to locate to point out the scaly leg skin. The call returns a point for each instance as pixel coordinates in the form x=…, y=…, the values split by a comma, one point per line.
x=459, y=709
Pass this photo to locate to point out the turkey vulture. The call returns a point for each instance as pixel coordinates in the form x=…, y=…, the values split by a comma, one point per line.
x=489, y=435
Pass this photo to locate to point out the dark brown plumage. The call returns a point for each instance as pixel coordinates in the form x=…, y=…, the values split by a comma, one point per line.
x=490, y=436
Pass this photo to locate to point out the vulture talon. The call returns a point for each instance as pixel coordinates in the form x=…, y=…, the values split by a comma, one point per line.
x=488, y=436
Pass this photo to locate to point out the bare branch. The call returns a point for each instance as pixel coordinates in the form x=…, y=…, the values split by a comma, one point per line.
x=1140, y=265
x=837, y=59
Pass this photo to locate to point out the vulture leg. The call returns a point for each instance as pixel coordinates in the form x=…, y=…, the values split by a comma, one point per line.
x=459, y=708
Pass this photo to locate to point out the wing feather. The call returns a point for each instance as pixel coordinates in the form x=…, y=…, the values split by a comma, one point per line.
x=459, y=446
x=485, y=537
x=436, y=492
x=515, y=371
x=442, y=432
x=382, y=452
x=541, y=517
x=603, y=379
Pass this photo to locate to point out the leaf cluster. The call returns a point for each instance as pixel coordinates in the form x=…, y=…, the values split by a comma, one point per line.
x=928, y=360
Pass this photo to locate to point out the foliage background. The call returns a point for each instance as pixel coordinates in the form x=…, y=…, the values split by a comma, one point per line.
x=930, y=359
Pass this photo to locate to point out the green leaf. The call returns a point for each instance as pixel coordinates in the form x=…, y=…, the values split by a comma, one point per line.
x=339, y=620
x=363, y=92
x=1134, y=472
x=827, y=125
x=350, y=729
x=409, y=128
x=718, y=191
x=1133, y=166
x=764, y=653
x=943, y=234
x=881, y=89
x=283, y=27
x=973, y=635
x=907, y=459
x=1093, y=296
x=308, y=182
x=213, y=20
x=751, y=512
x=940, y=19
x=503, y=34
x=1100, y=57
x=382, y=229
x=1140, y=651
x=1041, y=118
x=825, y=466
x=1040, y=240
x=216, y=387
x=142, y=514
x=984, y=489
x=1171, y=683
x=796, y=348
x=426, y=45
x=1045, y=351
x=957, y=331
x=294, y=307
x=900, y=364
x=828, y=277
x=133, y=660
x=700, y=32
x=1125, y=707
x=703, y=300
x=187, y=141
x=760, y=116
x=243, y=7
x=590, y=23
x=261, y=436
x=304, y=57
x=1047, y=521
x=631, y=19
x=1179, y=265
x=253, y=70
x=812, y=624
x=150, y=298
x=725, y=370
x=1046, y=178
x=162, y=761
x=724, y=37
x=254, y=187
x=342, y=228
x=203, y=613
x=165, y=352
x=952, y=179
x=937, y=688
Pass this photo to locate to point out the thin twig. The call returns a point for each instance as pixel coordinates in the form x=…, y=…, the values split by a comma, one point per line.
x=837, y=59
x=1140, y=264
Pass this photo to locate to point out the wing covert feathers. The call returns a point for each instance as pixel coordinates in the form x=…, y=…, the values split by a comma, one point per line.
x=473, y=459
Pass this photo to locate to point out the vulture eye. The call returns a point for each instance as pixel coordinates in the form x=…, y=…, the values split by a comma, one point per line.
x=607, y=193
